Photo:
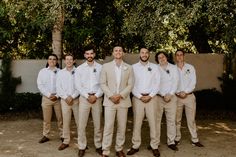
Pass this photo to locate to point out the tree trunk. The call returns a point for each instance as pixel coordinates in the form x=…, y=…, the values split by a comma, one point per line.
x=57, y=35
x=199, y=38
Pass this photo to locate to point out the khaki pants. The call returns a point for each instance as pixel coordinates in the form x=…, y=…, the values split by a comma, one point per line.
x=67, y=113
x=47, y=107
x=111, y=112
x=141, y=109
x=170, y=113
x=189, y=105
x=84, y=110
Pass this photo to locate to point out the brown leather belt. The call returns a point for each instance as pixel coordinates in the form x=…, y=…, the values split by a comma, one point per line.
x=144, y=94
x=160, y=95
x=91, y=93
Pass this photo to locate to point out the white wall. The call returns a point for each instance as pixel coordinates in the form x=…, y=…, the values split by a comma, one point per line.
x=208, y=68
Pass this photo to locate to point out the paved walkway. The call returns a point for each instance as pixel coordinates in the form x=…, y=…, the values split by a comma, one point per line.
x=20, y=139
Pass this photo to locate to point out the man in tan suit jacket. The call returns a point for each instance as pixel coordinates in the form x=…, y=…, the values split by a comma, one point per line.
x=117, y=80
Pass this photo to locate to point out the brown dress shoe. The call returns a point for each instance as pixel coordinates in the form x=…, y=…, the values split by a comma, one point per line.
x=132, y=151
x=173, y=147
x=156, y=152
x=120, y=154
x=63, y=146
x=198, y=144
x=43, y=139
x=99, y=150
x=81, y=153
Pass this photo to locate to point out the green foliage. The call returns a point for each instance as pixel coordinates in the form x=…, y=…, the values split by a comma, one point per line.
x=7, y=85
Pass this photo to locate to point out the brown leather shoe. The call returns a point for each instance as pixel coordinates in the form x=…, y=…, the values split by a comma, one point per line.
x=120, y=154
x=63, y=146
x=81, y=153
x=198, y=144
x=156, y=152
x=99, y=150
x=173, y=147
x=43, y=139
x=132, y=151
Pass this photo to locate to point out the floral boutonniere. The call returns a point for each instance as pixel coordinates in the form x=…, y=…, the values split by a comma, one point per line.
x=168, y=71
x=94, y=70
x=55, y=71
x=149, y=69
x=125, y=68
x=72, y=72
x=188, y=71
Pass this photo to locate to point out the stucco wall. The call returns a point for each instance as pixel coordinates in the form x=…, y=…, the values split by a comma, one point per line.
x=208, y=68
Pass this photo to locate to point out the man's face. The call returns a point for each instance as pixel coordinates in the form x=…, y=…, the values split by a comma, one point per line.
x=89, y=55
x=69, y=61
x=52, y=61
x=162, y=59
x=179, y=56
x=118, y=52
x=144, y=54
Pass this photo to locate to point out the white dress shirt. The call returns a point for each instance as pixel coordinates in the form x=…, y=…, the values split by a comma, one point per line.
x=87, y=79
x=65, y=84
x=187, y=78
x=169, y=79
x=46, y=81
x=147, y=79
x=118, y=76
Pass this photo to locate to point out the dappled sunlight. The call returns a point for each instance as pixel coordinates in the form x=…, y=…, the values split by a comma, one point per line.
x=220, y=128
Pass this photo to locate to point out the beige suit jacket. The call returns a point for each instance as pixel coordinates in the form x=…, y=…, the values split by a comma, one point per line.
x=108, y=83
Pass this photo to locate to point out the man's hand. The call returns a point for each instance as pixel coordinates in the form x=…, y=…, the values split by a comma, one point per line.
x=69, y=100
x=92, y=99
x=53, y=97
x=146, y=99
x=182, y=95
x=115, y=98
x=167, y=98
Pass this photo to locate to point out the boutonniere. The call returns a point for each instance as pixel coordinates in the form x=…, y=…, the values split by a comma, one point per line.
x=149, y=69
x=188, y=71
x=55, y=71
x=168, y=71
x=72, y=72
x=94, y=70
x=125, y=67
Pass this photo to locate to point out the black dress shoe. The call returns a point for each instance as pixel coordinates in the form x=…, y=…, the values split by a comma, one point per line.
x=43, y=139
x=176, y=143
x=173, y=147
x=63, y=146
x=198, y=144
x=99, y=150
x=156, y=152
x=81, y=153
x=132, y=151
x=120, y=154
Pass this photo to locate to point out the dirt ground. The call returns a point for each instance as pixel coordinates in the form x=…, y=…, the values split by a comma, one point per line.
x=19, y=138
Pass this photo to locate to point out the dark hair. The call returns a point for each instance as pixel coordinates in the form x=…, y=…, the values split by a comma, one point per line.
x=54, y=55
x=180, y=50
x=89, y=47
x=69, y=54
x=161, y=52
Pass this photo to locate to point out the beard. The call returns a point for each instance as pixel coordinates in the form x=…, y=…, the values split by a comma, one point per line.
x=90, y=59
x=144, y=60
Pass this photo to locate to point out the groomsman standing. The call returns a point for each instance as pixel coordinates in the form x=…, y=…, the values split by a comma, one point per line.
x=87, y=82
x=185, y=98
x=69, y=97
x=167, y=101
x=46, y=83
x=117, y=81
x=146, y=86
